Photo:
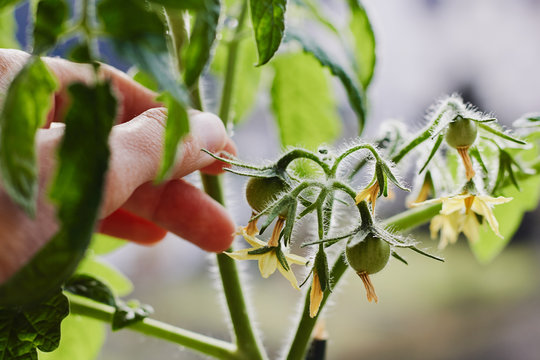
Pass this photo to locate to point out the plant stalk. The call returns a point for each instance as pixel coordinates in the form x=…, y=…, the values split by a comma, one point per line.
x=247, y=343
x=204, y=344
x=230, y=71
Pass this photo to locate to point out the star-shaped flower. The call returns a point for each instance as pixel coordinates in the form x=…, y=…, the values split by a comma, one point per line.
x=370, y=194
x=449, y=227
x=459, y=213
x=270, y=257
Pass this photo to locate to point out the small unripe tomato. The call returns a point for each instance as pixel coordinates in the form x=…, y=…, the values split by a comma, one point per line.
x=461, y=133
x=260, y=192
x=368, y=256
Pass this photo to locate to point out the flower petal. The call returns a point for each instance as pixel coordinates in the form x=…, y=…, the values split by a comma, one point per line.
x=362, y=195
x=437, y=222
x=481, y=208
x=451, y=229
x=471, y=227
x=296, y=259
x=315, y=295
x=243, y=254
x=251, y=239
x=494, y=201
x=289, y=275
x=267, y=263
x=428, y=202
x=453, y=204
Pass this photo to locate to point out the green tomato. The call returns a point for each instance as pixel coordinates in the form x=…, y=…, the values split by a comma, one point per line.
x=260, y=192
x=461, y=133
x=368, y=256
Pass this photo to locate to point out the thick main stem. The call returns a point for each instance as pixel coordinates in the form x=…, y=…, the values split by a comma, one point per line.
x=248, y=346
x=230, y=71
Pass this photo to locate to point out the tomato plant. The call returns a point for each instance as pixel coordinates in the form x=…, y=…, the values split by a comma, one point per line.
x=242, y=48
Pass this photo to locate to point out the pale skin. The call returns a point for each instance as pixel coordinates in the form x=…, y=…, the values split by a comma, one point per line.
x=133, y=208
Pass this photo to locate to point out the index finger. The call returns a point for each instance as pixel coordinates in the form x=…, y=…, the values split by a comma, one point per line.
x=133, y=98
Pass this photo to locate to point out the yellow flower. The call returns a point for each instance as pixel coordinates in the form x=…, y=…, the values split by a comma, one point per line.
x=316, y=295
x=449, y=227
x=268, y=260
x=459, y=214
x=370, y=193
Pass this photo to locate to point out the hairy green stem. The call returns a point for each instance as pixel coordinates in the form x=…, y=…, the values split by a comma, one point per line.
x=420, y=138
x=204, y=344
x=297, y=350
x=246, y=340
x=230, y=71
x=340, y=158
x=302, y=154
x=412, y=218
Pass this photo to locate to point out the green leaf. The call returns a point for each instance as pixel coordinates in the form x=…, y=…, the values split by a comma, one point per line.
x=399, y=257
x=6, y=3
x=180, y=4
x=289, y=223
x=202, y=38
x=80, y=53
x=381, y=179
x=268, y=20
x=505, y=167
x=354, y=91
x=501, y=134
x=364, y=43
x=104, y=244
x=313, y=9
x=90, y=287
x=509, y=216
x=49, y=24
x=82, y=339
x=128, y=19
x=321, y=266
x=144, y=45
x=304, y=109
x=146, y=80
x=130, y=313
x=8, y=28
x=177, y=127
x=22, y=330
x=106, y=273
x=282, y=259
x=436, y=146
x=25, y=109
x=261, y=250
x=77, y=189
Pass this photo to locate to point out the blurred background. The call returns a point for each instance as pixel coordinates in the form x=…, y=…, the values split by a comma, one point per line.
x=486, y=50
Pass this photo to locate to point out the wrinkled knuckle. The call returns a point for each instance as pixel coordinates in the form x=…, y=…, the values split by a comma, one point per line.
x=190, y=151
x=158, y=115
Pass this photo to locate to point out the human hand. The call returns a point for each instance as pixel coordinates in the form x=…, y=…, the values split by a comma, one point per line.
x=133, y=208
